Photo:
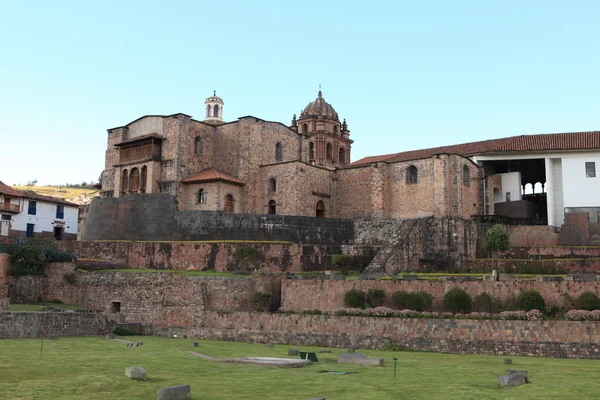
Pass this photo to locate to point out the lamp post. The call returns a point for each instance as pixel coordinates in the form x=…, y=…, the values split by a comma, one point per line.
x=395, y=359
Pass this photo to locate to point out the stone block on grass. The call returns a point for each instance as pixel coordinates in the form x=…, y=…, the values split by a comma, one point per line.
x=180, y=392
x=138, y=373
x=359, y=359
x=292, y=352
x=195, y=344
x=507, y=361
x=511, y=380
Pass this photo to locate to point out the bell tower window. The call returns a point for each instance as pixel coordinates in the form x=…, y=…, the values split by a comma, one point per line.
x=278, y=152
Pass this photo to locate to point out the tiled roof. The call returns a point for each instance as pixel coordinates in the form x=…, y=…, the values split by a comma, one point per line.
x=544, y=142
x=212, y=175
x=140, y=138
x=5, y=189
x=30, y=194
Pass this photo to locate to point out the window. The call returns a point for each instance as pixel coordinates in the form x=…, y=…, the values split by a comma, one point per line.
x=6, y=217
x=216, y=111
x=320, y=209
x=201, y=196
x=272, y=185
x=60, y=212
x=590, y=169
x=124, y=181
x=115, y=307
x=412, y=175
x=304, y=128
x=507, y=197
x=272, y=207
x=143, y=179
x=466, y=176
x=335, y=130
x=198, y=146
x=329, y=152
x=29, y=232
x=278, y=152
x=134, y=180
x=342, y=156
x=311, y=151
x=229, y=204
x=32, y=208
x=208, y=111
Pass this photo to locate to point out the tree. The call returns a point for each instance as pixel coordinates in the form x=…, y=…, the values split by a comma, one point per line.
x=496, y=239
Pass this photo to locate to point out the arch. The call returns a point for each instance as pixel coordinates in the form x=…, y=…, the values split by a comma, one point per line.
x=229, y=201
x=412, y=175
x=198, y=146
x=208, y=110
x=272, y=207
x=528, y=188
x=329, y=152
x=216, y=110
x=342, y=156
x=335, y=131
x=272, y=185
x=311, y=151
x=134, y=180
x=124, y=181
x=497, y=195
x=304, y=128
x=320, y=209
x=538, y=187
x=143, y=179
x=278, y=152
x=466, y=175
x=201, y=196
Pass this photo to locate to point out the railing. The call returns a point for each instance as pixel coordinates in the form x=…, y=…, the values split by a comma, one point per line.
x=8, y=207
x=500, y=219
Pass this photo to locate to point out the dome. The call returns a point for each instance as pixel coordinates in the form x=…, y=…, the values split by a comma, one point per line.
x=214, y=99
x=320, y=107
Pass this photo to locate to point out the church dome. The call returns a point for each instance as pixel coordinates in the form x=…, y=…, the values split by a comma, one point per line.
x=320, y=107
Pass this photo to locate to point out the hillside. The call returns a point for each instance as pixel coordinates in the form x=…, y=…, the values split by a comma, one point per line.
x=69, y=194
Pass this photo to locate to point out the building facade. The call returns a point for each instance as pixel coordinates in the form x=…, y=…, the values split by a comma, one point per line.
x=261, y=167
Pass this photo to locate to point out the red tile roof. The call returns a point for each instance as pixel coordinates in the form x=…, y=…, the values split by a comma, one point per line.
x=30, y=194
x=5, y=189
x=212, y=175
x=544, y=142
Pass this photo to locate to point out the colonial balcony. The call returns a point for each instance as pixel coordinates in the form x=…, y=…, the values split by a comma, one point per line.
x=10, y=208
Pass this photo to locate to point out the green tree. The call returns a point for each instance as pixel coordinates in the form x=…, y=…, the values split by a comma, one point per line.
x=496, y=239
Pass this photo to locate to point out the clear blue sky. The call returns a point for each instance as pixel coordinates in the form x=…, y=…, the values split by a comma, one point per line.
x=405, y=74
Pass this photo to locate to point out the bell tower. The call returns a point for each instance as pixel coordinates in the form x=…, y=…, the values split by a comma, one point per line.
x=214, y=109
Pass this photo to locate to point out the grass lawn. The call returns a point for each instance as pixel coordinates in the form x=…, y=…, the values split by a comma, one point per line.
x=94, y=368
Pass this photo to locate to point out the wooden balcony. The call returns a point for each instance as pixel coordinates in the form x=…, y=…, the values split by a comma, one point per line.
x=10, y=208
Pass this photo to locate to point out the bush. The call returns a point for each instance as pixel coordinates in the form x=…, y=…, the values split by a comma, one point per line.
x=416, y=301
x=261, y=301
x=30, y=256
x=588, y=301
x=354, y=298
x=344, y=262
x=496, y=239
x=120, y=331
x=531, y=300
x=375, y=297
x=247, y=256
x=457, y=301
x=486, y=303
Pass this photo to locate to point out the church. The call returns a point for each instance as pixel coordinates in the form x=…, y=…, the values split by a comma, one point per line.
x=253, y=166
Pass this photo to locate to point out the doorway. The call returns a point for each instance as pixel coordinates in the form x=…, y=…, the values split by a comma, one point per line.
x=58, y=232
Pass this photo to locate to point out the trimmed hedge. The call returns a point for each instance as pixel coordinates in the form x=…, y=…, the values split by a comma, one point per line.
x=354, y=298
x=261, y=301
x=531, y=300
x=416, y=301
x=458, y=301
x=375, y=297
x=588, y=301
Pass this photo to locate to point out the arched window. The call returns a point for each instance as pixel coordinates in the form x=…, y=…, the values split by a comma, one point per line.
x=272, y=185
x=329, y=151
x=134, y=180
x=342, y=156
x=304, y=128
x=320, y=209
x=201, y=196
x=497, y=196
x=278, y=152
x=229, y=203
x=412, y=174
x=208, y=110
x=143, y=179
x=198, y=146
x=466, y=175
x=311, y=151
x=216, y=110
x=124, y=181
x=528, y=188
x=335, y=129
x=272, y=207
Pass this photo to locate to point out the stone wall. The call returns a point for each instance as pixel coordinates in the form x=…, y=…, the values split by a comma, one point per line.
x=532, y=235
x=571, y=339
x=157, y=217
x=329, y=295
x=4, y=266
x=19, y=325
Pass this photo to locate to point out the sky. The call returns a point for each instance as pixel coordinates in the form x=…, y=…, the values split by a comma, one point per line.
x=405, y=74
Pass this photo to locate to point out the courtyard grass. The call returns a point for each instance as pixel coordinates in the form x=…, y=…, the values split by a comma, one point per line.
x=93, y=368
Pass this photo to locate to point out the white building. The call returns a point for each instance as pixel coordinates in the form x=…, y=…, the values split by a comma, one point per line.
x=28, y=214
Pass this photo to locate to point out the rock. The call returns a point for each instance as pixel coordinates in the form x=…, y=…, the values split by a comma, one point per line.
x=136, y=373
x=495, y=275
x=292, y=352
x=511, y=380
x=110, y=336
x=351, y=349
x=180, y=392
x=517, y=372
x=195, y=344
x=359, y=359
x=410, y=277
x=324, y=351
x=507, y=361
x=269, y=344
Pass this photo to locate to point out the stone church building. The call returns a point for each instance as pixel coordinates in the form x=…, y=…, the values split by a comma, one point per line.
x=255, y=166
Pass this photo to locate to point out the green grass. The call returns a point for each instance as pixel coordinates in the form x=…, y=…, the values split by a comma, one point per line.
x=41, y=306
x=172, y=271
x=93, y=368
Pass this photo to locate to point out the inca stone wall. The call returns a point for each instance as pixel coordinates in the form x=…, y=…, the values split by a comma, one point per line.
x=19, y=325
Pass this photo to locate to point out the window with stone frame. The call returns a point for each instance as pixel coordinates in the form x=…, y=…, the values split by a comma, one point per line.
x=329, y=152
x=412, y=175
x=272, y=207
x=466, y=176
x=201, y=196
x=272, y=185
x=278, y=152
x=198, y=146
x=342, y=156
